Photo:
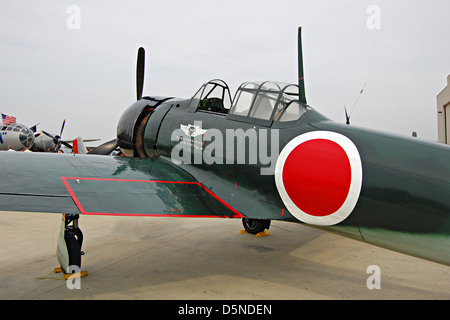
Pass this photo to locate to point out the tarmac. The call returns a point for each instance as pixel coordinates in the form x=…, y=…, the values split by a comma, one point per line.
x=136, y=258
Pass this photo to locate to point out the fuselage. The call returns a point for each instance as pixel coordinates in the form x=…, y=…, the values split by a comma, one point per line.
x=393, y=191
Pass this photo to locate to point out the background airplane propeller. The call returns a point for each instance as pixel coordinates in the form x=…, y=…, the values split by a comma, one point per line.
x=57, y=138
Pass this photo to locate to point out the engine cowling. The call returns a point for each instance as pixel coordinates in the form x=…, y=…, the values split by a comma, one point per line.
x=132, y=123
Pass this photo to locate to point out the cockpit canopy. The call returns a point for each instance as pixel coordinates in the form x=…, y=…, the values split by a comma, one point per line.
x=260, y=103
x=265, y=102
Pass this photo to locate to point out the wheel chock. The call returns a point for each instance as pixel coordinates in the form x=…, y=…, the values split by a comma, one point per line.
x=71, y=275
x=57, y=270
x=259, y=234
x=81, y=274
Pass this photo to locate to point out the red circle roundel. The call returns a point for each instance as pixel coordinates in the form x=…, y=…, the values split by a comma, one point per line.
x=319, y=176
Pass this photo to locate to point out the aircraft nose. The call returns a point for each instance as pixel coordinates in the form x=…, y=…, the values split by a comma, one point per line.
x=26, y=138
x=319, y=176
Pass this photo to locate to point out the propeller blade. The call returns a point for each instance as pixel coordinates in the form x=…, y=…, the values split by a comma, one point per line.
x=301, y=80
x=62, y=128
x=48, y=134
x=57, y=147
x=90, y=140
x=140, y=66
x=105, y=148
x=67, y=145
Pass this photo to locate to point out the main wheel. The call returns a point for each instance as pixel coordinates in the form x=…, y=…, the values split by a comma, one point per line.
x=255, y=226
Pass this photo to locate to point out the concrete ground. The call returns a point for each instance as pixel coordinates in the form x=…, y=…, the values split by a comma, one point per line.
x=186, y=258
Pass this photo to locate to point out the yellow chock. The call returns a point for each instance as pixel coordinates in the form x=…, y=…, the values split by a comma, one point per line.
x=75, y=275
x=263, y=233
x=71, y=275
x=65, y=276
x=260, y=234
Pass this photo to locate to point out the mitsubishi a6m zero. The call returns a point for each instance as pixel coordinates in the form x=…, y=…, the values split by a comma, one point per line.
x=263, y=155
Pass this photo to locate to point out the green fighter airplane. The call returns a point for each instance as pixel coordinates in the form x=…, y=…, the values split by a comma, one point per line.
x=263, y=155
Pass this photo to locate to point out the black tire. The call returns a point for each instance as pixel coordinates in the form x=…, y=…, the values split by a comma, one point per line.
x=255, y=226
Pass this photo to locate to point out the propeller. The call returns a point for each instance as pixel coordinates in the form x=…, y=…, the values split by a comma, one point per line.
x=105, y=148
x=301, y=79
x=108, y=147
x=57, y=138
x=140, y=66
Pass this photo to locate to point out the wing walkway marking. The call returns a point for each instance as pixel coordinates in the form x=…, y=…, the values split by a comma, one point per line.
x=83, y=211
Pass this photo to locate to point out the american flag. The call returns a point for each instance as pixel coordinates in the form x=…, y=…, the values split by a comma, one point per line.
x=8, y=119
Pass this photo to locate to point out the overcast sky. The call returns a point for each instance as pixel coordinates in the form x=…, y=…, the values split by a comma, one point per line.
x=51, y=70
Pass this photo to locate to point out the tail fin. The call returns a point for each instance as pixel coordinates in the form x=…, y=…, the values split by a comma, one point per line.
x=78, y=146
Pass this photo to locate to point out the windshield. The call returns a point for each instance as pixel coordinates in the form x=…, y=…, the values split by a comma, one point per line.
x=213, y=96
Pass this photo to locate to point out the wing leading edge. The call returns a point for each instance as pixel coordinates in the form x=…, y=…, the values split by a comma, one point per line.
x=102, y=185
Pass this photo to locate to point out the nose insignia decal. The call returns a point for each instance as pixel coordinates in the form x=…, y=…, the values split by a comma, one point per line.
x=319, y=176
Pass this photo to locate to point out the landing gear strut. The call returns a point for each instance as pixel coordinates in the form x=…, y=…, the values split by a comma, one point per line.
x=255, y=226
x=70, y=240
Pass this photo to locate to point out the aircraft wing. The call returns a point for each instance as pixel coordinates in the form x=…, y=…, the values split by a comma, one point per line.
x=103, y=185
